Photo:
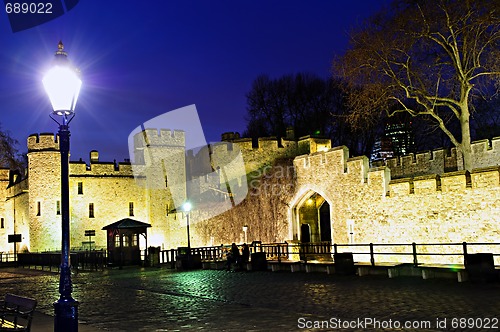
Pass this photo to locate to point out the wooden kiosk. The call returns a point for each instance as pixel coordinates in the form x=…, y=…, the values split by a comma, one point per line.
x=123, y=241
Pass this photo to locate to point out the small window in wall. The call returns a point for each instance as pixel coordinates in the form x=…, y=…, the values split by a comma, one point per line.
x=117, y=240
x=126, y=241
x=58, y=207
x=91, y=210
x=134, y=241
x=80, y=188
x=2, y=225
x=131, y=209
x=38, y=209
x=350, y=231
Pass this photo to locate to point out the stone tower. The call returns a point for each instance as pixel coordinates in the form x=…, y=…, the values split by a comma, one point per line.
x=44, y=176
x=160, y=168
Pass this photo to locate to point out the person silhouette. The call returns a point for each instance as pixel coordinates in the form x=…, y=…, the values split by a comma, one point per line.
x=245, y=255
x=235, y=253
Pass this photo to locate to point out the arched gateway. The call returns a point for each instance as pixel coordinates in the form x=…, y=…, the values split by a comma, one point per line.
x=310, y=217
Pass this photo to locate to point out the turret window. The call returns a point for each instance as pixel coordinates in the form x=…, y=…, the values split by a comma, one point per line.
x=2, y=225
x=38, y=209
x=80, y=188
x=131, y=209
x=91, y=210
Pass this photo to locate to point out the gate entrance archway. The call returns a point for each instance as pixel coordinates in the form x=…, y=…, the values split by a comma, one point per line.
x=311, y=219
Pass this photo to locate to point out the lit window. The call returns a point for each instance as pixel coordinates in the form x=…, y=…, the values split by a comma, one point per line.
x=80, y=188
x=91, y=210
x=126, y=240
x=38, y=209
x=134, y=241
x=58, y=207
x=131, y=209
x=117, y=240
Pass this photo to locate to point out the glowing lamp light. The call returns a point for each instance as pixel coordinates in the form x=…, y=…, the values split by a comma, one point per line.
x=62, y=84
x=187, y=207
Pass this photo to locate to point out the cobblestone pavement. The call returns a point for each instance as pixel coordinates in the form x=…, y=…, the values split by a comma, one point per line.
x=158, y=299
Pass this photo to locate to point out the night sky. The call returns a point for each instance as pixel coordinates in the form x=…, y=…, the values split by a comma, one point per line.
x=140, y=59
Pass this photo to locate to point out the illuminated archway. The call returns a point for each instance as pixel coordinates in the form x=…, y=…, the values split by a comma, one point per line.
x=310, y=217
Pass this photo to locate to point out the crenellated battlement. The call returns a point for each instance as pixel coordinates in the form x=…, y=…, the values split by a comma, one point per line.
x=457, y=181
x=305, y=144
x=80, y=168
x=485, y=153
x=163, y=137
x=256, y=154
x=43, y=142
x=429, y=162
x=335, y=164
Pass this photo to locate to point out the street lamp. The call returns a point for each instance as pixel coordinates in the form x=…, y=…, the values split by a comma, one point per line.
x=62, y=84
x=187, y=207
x=245, y=229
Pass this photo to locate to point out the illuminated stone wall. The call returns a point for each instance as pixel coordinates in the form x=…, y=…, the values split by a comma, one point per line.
x=44, y=185
x=454, y=207
x=111, y=189
x=264, y=210
x=411, y=200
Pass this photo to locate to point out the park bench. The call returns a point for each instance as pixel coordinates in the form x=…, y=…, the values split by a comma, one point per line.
x=285, y=265
x=16, y=313
x=430, y=271
x=320, y=266
x=458, y=271
x=391, y=269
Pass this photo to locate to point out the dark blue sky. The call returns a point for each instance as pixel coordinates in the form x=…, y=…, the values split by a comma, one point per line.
x=140, y=59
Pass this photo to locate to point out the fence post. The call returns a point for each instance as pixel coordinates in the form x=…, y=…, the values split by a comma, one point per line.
x=464, y=245
x=334, y=248
x=414, y=247
x=172, y=259
x=372, y=256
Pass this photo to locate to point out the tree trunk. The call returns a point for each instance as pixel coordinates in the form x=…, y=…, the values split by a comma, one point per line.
x=465, y=146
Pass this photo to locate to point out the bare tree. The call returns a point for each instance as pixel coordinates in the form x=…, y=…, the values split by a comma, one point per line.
x=427, y=58
x=9, y=156
x=266, y=108
x=308, y=104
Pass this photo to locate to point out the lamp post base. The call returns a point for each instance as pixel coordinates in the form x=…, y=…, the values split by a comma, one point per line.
x=66, y=319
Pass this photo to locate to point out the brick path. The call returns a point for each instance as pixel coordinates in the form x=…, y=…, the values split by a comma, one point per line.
x=158, y=299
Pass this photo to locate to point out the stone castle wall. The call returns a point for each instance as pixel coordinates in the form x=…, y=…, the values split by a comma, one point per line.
x=411, y=199
x=453, y=207
x=485, y=153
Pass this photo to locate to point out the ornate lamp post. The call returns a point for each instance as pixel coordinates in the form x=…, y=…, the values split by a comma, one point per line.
x=62, y=84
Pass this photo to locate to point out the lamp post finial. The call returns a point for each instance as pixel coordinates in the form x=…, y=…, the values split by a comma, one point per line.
x=60, y=50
